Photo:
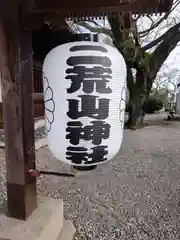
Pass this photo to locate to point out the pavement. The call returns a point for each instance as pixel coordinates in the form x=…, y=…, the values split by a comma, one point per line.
x=136, y=196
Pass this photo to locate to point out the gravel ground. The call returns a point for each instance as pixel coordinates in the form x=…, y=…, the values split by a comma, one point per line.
x=135, y=197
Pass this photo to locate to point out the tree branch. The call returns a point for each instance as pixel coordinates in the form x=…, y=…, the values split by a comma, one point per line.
x=170, y=41
x=172, y=31
x=154, y=25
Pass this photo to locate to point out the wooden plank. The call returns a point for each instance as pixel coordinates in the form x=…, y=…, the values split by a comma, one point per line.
x=56, y=11
x=81, y=7
x=46, y=4
x=16, y=73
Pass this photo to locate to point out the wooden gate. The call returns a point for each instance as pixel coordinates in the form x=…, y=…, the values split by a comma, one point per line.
x=38, y=96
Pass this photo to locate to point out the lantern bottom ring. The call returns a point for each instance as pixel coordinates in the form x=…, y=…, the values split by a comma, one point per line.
x=85, y=168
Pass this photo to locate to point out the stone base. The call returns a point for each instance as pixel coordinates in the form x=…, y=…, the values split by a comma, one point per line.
x=46, y=223
x=68, y=231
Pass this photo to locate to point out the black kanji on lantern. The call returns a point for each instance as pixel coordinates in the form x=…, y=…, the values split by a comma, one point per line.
x=91, y=79
x=98, y=154
x=95, y=132
x=79, y=155
x=85, y=47
x=95, y=60
x=88, y=107
x=88, y=74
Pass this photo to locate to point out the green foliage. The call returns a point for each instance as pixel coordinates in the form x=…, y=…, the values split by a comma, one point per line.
x=160, y=94
x=156, y=99
x=153, y=105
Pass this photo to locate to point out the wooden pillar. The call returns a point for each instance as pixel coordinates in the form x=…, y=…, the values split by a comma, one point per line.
x=16, y=74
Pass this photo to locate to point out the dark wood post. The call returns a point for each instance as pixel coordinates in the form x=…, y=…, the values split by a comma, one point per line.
x=16, y=74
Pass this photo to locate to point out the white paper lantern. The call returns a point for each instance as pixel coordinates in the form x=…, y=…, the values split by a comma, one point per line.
x=85, y=88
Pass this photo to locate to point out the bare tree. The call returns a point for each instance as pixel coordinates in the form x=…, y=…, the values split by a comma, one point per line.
x=145, y=48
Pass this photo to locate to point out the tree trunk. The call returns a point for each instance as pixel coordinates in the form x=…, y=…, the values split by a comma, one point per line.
x=136, y=112
x=139, y=93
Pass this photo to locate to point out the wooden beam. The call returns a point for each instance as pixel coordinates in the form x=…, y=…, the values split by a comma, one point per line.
x=56, y=11
x=16, y=74
x=94, y=7
x=46, y=4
